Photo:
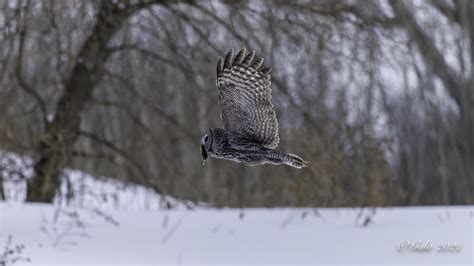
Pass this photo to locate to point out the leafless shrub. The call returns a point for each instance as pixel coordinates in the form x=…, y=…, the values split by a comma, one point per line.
x=12, y=253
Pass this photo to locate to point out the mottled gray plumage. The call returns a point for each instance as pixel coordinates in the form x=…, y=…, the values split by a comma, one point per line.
x=250, y=133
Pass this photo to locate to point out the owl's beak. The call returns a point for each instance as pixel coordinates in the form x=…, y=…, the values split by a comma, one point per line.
x=203, y=154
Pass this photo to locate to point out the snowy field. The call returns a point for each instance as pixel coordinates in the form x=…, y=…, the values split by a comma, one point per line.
x=229, y=236
x=108, y=223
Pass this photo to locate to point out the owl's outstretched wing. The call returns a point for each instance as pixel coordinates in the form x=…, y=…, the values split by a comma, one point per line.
x=245, y=98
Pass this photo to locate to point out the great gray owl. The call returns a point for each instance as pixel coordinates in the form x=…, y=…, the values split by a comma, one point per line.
x=250, y=133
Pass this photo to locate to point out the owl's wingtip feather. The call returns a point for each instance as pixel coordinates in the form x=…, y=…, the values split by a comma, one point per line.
x=239, y=57
x=228, y=58
x=220, y=65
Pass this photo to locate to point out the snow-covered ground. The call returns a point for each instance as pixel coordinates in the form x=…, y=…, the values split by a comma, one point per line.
x=105, y=222
x=79, y=189
x=230, y=236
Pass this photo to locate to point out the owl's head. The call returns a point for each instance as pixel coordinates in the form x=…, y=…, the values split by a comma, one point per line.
x=206, y=145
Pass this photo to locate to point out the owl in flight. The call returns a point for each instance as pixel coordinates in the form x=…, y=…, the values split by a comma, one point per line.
x=250, y=133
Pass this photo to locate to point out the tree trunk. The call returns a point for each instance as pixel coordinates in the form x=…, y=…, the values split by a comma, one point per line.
x=57, y=142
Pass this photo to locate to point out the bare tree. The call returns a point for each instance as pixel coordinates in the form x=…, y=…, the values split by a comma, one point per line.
x=126, y=89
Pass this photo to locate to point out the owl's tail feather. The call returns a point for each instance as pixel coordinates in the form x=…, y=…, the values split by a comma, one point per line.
x=278, y=157
x=295, y=161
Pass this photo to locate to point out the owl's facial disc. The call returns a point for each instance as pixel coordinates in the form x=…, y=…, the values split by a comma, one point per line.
x=206, y=143
x=203, y=154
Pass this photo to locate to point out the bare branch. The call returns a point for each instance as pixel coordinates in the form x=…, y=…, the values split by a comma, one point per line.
x=450, y=12
x=23, y=84
x=431, y=54
x=144, y=179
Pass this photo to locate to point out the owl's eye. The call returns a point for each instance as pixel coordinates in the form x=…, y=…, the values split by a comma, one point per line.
x=205, y=138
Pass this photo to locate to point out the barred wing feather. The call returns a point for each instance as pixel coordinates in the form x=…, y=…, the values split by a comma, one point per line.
x=245, y=98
